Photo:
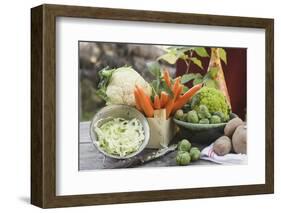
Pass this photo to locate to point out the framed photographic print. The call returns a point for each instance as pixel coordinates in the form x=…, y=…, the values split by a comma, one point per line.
x=136, y=106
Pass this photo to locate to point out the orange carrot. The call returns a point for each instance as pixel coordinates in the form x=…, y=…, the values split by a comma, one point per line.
x=163, y=99
x=171, y=101
x=169, y=107
x=166, y=77
x=178, y=92
x=145, y=102
x=176, y=86
x=137, y=100
x=157, y=104
x=146, y=97
x=182, y=100
x=149, y=100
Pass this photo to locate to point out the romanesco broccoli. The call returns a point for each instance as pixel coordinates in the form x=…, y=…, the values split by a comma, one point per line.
x=213, y=99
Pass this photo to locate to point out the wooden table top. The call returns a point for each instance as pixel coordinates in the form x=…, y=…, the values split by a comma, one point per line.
x=90, y=158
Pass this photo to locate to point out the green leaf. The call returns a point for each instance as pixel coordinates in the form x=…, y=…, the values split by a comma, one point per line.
x=185, y=89
x=179, y=49
x=211, y=83
x=201, y=51
x=166, y=88
x=197, y=81
x=174, y=53
x=213, y=72
x=155, y=84
x=102, y=94
x=190, y=76
x=154, y=68
x=198, y=75
x=170, y=57
x=104, y=79
x=187, y=77
x=197, y=62
x=222, y=53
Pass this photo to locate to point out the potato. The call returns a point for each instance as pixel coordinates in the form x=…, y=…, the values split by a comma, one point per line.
x=231, y=126
x=222, y=146
x=239, y=140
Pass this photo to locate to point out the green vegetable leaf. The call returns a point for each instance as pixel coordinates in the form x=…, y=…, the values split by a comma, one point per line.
x=154, y=68
x=187, y=77
x=185, y=89
x=190, y=76
x=197, y=81
x=166, y=88
x=222, y=53
x=213, y=72
x=104, y=79
x=102, y=94
x=211, y=83
x=197, y=62
x=201, y=51
x=155, y=84
x=174, y=53
x=184, y=48
x=170, y=57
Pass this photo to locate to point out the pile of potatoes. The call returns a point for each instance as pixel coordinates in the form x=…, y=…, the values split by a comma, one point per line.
x=234, y=139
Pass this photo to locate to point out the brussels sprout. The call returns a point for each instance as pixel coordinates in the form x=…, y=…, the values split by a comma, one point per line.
x=212, y=98
x=222, y=116
x=215, y=119
x=186, y=107
x=180, y=152
x=179, y=114
x=203, y=112
x=185, y=117
x=183, y=158
x=194, y=148
x=195, y=154
x=204, y=121
x=208, y=115
x=192, y=117
x=203, y=108
x=184, y=145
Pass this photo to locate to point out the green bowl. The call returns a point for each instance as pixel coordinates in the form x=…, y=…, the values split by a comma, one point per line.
x=202, y=133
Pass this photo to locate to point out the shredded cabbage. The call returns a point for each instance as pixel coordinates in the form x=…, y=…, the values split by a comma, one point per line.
x=119, y=136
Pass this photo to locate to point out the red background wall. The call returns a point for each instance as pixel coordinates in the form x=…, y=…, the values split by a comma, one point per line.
x=235, y=75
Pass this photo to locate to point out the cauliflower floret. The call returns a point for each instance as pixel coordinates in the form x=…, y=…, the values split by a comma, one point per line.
x=120, y=89
x=113, y=93
x=213, y=99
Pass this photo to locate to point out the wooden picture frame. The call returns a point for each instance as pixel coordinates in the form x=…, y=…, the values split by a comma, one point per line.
x=43, y=105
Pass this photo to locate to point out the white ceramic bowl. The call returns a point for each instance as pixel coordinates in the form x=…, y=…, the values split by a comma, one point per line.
x=120, y=111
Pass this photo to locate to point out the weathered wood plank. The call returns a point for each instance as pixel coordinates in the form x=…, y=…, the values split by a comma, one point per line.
x=85, y=132
x=90, y=158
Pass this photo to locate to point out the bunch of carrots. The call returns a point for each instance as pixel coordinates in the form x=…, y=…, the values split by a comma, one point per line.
x=171, y=103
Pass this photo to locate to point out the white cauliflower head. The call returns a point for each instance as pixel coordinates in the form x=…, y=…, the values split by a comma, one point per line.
x=121, y=85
